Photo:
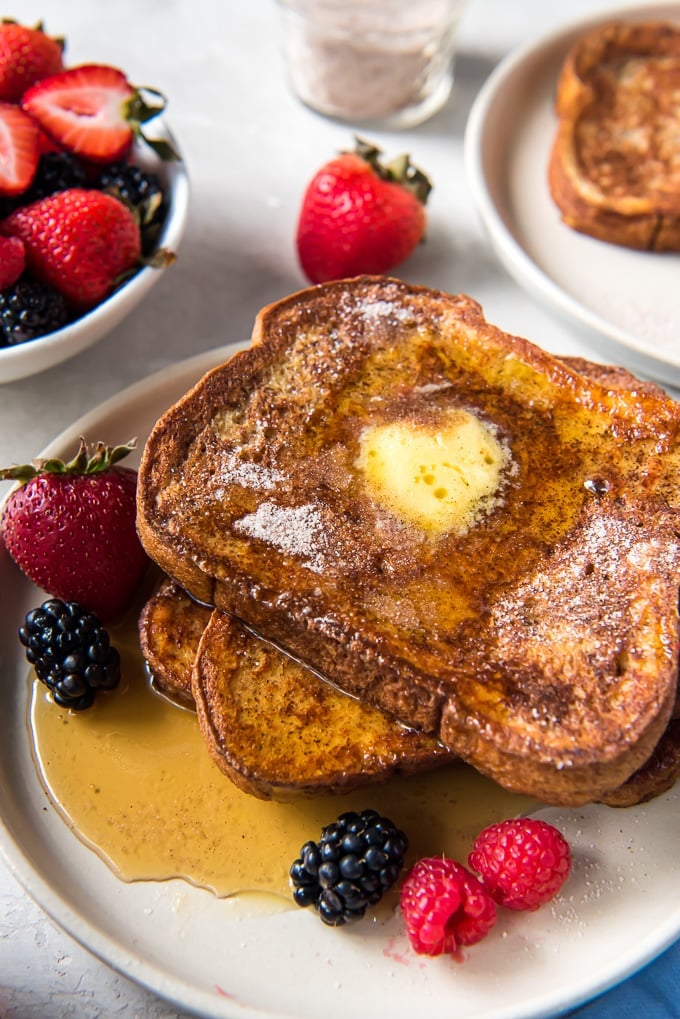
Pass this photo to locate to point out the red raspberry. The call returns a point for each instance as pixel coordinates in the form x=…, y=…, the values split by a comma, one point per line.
x=444, y=906
x=522, y=863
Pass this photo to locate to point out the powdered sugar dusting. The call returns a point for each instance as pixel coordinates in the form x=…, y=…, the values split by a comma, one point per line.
x=295, y=530
x=382, y=310
x=385, y=309
x=235, y=471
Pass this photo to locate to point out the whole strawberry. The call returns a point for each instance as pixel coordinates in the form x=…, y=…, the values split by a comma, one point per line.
x=26, y=55
x=71, y=528
x=78, y=241
x=361, y=216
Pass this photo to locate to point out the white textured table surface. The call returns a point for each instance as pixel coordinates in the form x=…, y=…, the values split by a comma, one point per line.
x=250, y=149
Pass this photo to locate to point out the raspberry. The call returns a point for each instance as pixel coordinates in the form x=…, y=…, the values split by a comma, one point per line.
x=444, y=906
x=522, y=863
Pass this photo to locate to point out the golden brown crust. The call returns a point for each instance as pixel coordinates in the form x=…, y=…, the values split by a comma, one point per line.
x=170, y=628
x=278, y=731
x=614, y=377
x=613, y=169
x=540, y=646
x=656, y=775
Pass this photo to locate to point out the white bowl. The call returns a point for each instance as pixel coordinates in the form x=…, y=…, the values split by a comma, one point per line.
x=37, y=355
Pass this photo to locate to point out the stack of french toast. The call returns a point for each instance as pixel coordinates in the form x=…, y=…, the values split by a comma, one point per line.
x=396, y=535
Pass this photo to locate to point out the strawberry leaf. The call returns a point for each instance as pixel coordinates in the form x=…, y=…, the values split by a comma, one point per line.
x=84, y=462
x=161, y=146
x=138, y=111
x=399, y=171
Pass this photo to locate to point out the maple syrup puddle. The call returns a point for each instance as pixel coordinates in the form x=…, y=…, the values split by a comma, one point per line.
x=132, y=778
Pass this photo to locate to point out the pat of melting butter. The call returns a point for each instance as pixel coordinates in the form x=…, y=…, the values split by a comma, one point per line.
x=441, y=479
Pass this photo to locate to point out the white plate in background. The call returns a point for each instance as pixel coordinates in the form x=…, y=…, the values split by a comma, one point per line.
x=212, y=957
x=631, y=298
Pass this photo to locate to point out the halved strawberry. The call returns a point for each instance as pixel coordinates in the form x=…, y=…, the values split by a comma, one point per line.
x=19, y=151
x=93, y=111
x=84, y=110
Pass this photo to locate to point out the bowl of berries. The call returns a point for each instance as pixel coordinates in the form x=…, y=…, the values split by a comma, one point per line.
x=93, y=200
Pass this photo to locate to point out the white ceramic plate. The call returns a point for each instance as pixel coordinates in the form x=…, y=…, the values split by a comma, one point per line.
x=24, y=359
x=631, y=298
x=619, y=909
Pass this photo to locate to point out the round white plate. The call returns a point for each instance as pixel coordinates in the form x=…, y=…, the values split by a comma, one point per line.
x=631, y=298
x=618, y=910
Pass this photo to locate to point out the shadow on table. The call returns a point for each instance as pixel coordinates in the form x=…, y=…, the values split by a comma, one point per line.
x=471, y=71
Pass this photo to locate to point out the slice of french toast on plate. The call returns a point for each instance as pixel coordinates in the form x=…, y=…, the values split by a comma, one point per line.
x=613, y=169
x=277, y=730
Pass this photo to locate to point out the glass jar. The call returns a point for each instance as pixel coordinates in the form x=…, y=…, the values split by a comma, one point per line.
x=383, y=63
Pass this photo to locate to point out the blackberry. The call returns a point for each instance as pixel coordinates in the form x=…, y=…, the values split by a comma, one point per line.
x=357, y=860
x=133, y=184
x=57, y=171
x=29, y=309
x=142, y=192
x=8, y=204
x=70, y=652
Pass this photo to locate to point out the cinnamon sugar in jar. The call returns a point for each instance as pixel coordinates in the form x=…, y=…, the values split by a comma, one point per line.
x=374, y=62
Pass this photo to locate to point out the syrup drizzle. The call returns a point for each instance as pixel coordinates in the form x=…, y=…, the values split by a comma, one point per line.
x=133, y=780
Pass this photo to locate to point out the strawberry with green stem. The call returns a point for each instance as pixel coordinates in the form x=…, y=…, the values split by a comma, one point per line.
x=93, y=111
x=70, y=527
x=360, y=215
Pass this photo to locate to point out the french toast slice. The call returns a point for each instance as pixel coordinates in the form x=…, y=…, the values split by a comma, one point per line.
x=271, y=726
x=525, y=614
x=613, y=169
x=278, y=731
x=170, y=627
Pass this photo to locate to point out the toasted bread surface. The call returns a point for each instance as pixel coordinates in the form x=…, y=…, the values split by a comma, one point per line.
x=170, y=627
x=613, y=169
x=536, y=638
x=614, y=377
x=277, y=730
